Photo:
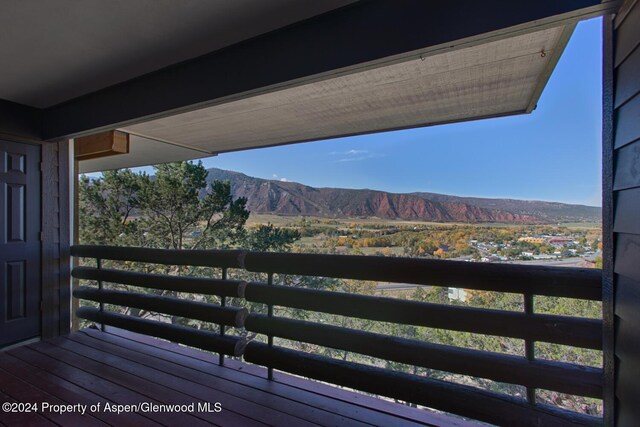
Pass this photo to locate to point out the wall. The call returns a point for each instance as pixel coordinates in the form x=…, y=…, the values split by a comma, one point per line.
x=56, y=290
x=624, y=62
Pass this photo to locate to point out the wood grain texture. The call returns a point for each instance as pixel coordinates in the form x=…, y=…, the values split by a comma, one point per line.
x=627, y=255
x=204, y=258
x=136, y=388
x=566, y=378
x=337, y=400
x=240, y=402
x=627, y=119
x=56, y=235
x=536, y=280
x=196, y=285
x=627, y=242
x=64, y=214
x=90, y=365
x=170, y=386
x=23, y=391
x=67, y=391
x=627, y=84
x=627, y=168
x=572, y=331
x=20, y=122
x=230, y=316
x=206, y=340
x=50, y=241
x=102, y=144
x=109, y=386
x=627, y=35
x=628, y=344
x=608, y=356
x=454, y=398
x=628, y=299
x=627, y=211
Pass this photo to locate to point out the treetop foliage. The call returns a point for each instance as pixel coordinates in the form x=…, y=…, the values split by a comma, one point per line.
x=174, y=208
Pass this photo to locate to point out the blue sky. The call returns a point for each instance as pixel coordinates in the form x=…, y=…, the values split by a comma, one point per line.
x=552, y=154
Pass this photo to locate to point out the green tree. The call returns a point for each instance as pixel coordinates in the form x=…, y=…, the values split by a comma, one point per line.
x=178, y=210
x=175, y=208
x=268, y=237
x=107, y=207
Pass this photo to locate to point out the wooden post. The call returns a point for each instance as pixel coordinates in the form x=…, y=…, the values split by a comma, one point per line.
x=99, y=266
x=529, y=346
x=75, y=303
x=270, y=337
x=223, y=303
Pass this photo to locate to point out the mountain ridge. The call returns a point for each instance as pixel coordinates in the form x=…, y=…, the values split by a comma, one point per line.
x=287, y=198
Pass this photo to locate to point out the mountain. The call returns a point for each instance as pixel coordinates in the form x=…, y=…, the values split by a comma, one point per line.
x=549, y=211
x=291, y=198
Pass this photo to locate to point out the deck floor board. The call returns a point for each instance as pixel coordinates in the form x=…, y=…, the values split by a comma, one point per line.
x=67, y=391
x=255, y=399
x=120, y=367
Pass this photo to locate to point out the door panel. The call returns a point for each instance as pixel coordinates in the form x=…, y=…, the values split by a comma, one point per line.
x=20, y=262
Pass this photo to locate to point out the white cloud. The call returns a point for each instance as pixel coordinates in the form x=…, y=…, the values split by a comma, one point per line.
x=361, y=157
x=284, y=180
x=354, y=155
x=351, y=152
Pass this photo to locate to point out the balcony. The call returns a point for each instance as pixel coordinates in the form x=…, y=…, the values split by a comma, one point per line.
x=127, y=363
x=123, y=368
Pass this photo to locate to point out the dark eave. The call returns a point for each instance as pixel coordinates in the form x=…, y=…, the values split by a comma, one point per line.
x=19, y=121
x=313, y=49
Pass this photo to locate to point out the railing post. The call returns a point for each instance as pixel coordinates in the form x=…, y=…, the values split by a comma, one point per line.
x=99, y=266
x=529, y=346
x=270, y=337
x=223, y=303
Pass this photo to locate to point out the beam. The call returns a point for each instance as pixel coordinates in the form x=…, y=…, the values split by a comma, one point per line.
x=360, y=36
x=102, y=144
x=20, y=122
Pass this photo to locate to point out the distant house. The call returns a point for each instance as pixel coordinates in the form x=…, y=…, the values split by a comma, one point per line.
x=536, y=240
x=457, y=294
x=560, y=241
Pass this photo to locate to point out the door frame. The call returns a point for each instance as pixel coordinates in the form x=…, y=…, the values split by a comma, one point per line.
x=56, y=238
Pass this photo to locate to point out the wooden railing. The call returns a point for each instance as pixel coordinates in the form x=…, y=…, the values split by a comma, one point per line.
x=464, y=400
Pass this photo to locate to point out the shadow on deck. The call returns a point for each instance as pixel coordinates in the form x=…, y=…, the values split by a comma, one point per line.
x=122, y=368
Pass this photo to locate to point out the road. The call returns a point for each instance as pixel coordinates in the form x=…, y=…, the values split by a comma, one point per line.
x=386, y=286
x=568, y=262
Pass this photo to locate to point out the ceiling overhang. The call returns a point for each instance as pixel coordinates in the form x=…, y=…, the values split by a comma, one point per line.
x=499, y=78
x=55, y=51
x=369, y=66
x=142, y=151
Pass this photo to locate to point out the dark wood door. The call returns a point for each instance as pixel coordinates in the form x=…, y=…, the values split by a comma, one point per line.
x=20, y=264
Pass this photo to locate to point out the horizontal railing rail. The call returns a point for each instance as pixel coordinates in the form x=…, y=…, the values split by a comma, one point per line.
x=194, y=285
x=230, y=316
x=582, y=283
x=577, y=332
x=201, y=258
x=525, y=370
x=205, y=340
x=562, y=377
x=443, y=395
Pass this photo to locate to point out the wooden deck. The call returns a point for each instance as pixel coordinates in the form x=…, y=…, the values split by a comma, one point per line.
x=116, y=367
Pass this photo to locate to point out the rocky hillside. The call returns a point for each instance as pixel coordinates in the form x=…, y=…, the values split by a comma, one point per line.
x=290, y=198
x=549, y=211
